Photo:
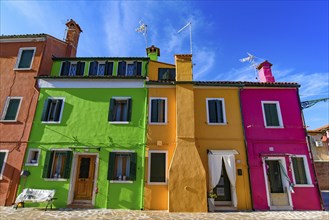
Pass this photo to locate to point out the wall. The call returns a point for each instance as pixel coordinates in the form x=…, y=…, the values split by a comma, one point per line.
x=85, y=123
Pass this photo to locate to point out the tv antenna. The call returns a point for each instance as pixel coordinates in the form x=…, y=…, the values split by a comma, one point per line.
x=143, y=30
x=190, y=25
x=251, y=60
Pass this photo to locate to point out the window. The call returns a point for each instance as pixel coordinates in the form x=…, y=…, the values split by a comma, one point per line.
x=72, y=68
x=100, y=68
x=122, y=166
x=157, y=167
x=216, y=111
x=57, y=164
x=272, y=114
x=25, y=58
x=130, y=68
x=33, y=157
x=158, y=110
x=3, y=159
x=11, y=109
x=52, y=110
x=300, y=170
x=120, y=109
x=166, y=73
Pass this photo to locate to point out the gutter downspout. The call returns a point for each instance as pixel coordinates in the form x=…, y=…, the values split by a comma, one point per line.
x=246, y=147
x=309, y=151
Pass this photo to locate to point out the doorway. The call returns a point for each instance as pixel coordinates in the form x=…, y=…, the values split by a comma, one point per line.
x=223, y=189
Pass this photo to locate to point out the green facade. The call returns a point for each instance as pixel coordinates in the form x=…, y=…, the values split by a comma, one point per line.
x=85, y=128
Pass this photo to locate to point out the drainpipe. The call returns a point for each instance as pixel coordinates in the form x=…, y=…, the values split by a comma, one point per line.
x=309, y=151
x=246, y=147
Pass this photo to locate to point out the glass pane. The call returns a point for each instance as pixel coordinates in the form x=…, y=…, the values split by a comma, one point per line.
x=274, y=175
x=2, y=160
x=84, y=168
x=299, y=170
x=12, y=109
x=212, y=111
x=58, y=164
x=271, y=115
x=73, y=70
x=26, y=58
x=130, y=69
x=101, y=69
x=158, y=167
x=121, y=110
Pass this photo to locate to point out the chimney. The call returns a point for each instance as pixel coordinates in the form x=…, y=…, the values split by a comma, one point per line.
x=265, y=72
x=72, y=38
x=153, y=52
x=183, y=64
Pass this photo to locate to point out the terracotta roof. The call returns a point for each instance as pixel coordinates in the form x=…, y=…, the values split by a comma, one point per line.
x=320, y=129
x=23, y=36
x=90, y=77
x=98, y=58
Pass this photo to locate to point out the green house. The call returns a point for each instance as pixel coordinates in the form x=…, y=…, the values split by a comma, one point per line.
x=88, y=135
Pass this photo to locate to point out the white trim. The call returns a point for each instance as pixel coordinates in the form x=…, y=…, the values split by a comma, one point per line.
x=6, y=105
x=119, y=122
x=55, y=179
x=278, y=109
x=60, y=114
x=19, y=58
x=166, y=111
x=285, y=183
x=223, y=108
x=307, y=172
x=122, y=151
x=28, y=39
x=121, y=181
x=74, y=170
x=90, y=83
x=121, y=98
x=149, y=167
x=4, y=163
x=224, y=152
x=28, y=157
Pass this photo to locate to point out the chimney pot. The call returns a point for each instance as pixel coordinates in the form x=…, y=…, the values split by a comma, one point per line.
x=265, y=72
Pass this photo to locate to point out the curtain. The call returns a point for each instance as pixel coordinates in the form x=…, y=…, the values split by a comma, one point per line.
x=231, y=173
x=215, y=169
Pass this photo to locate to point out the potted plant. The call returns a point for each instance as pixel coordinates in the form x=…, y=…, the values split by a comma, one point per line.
x=211, y=200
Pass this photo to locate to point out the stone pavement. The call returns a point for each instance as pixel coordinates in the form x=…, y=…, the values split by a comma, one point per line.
x=7, y=213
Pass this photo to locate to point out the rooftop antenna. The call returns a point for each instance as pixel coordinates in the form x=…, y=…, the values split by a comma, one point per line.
x=188, y=24
x=251, y=60
x=143, y=30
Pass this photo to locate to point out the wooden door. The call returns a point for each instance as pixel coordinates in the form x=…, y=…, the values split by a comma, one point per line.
x=84, y=182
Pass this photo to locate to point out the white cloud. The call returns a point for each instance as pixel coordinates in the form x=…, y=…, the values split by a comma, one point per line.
x=204, y=59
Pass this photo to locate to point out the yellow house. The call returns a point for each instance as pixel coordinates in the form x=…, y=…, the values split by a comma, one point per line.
x=195, y=142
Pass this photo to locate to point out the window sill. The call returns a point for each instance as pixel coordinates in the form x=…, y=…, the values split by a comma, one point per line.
x=55, y=180
x=157, y=183
x=121, y=181
x=304, y=185
x=22, y=69
x=32, y=164
x=50, y=122
x=9, y=121
x=119, y=122
x=209, y=123
x=158, y=123
x=275, y=127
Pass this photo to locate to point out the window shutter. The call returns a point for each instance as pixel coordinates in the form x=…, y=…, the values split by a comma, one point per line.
x=122, y=68
x=108, y=68
x=68, y=162
x=58, y=108
x=154, y=110
x=133, y=166
x=110, y=172
x=93, y=68
x=45, y=110
x=129, y=112
x=139, y=68
x=48, y=164
x=80, y=68
x=12, y=109
x=2, y=160
x=65, y=68
x=111, y=108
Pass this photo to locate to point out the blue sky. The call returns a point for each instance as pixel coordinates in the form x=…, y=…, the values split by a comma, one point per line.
x=292, y=35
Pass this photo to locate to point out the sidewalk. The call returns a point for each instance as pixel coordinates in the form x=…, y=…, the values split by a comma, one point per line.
x=7, y=213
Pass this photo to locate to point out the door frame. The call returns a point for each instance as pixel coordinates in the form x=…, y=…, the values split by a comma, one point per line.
x=74, y=172
x=285, y=182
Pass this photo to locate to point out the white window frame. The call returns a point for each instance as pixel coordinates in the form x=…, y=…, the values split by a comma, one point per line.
x=120, y=98
x=123, y=152
x=4, y=163
x=19, y=57
x=307, y=172
x=5, y=108
x=57, y=179
x=128, y=63
x=60, y=115
x=149, y=168
x=224, y=112
x=278, y=109
x=166, y=111
x=27, y=163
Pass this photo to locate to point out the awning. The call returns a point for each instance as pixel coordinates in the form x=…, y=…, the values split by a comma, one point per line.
x=223, y=152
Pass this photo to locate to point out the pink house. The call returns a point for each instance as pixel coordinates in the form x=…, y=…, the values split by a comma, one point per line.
x=281, y=168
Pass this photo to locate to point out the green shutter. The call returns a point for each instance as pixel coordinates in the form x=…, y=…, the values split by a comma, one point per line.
x=48, y=164
x=130, y=101
x=12, y=109
x=111, y=108
x=58, y=108
x=139, y=68
x=133, y=166
x=65, y=68
x=110, y=171
x=108, y=68
x=122, y=68
x=68, y=163
x=45, y=110
x=80, y=68
x=2, y=160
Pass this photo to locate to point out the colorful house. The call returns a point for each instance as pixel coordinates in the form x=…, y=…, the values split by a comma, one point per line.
x=23, y=57
x=190, y=124
x=281, y=170
x=89, y=133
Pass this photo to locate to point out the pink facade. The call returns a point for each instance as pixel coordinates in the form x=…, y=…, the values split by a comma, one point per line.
x=279, y=146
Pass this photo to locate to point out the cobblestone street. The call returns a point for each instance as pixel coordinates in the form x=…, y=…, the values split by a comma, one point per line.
x=7, y=213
